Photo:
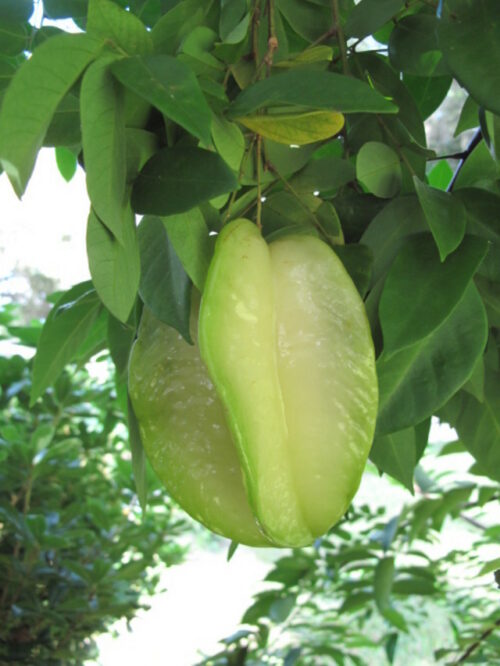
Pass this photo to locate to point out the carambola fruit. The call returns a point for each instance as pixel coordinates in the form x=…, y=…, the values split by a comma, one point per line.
x=261, y=429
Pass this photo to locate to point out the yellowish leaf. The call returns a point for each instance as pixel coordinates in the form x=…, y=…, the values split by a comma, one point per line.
x=295, y=128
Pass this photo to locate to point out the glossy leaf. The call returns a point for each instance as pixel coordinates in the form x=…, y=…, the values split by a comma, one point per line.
x=104, y=144
x=229, y=141
x=445, y=215
x=358, y=262
x=173, y=27
x=469, y=116
x=483, y=219
x=64, y=128
x=308, y=21
x=413, y=46
x=171, y=86
x=438, y=365
x=478, y=427
x=388, y=230
x=177, y=179
x=440, y=175
x=427, y=91
x=106, y=20
x=298, y=129
x=474, y=61
x=165, y=287
x=312, y=90
x=13, y=38
x=323, y=175
x=378, y=168
x=16, y=10
x=114, y=265
x=66, y=163
x=433, y=288
x=65, y=329
x=395, y=454
x=370, y=15
x=32, y=98
x=188, y=234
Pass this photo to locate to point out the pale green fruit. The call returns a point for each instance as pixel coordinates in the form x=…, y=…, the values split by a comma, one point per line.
x=285, y=340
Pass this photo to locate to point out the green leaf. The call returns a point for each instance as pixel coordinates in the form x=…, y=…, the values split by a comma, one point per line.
x=469, y=116
x=120, y=339
x=312, y=90
x=65, y=329
x=483, y=219
x=114, y=266
x=282, y=607
x=417, y=381
x=177, y=179
x=188, y=234
x=104, y=144
x=231, y=14
x=420, y=291
x=165, y=286
x=469, y=36
x=138, y=456
x=229, y=141
x=307, y=19
x=445, y=215
x=358, y=262
x=414, y=586
x=323, y=175
x=64, y=128
x=16, y=10
x=490, y=566
x=378, y=168
x=59, y=9
x=141, y=146
x=413, y=46
x=428, y=92
x=395, y=454
x=382, y=584
x=388, y=231
x=106, y=20
x=32, y=98
x=370, y=15
x=233, y=546
x=174, y=26
x=171, y=86
x=478, y=426
x=7, y=71
x=479, y=169
x=66, y=163
x=295, y=128
x=440, y=175
x=13, y=38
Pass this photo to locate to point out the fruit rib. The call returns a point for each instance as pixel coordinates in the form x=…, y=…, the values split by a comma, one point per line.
x=237, y=335
x=184, y=431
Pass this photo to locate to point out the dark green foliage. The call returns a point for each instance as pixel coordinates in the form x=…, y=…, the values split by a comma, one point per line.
x=75, y=552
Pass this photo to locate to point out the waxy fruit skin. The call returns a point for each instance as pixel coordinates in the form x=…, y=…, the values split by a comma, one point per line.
x=261, y=430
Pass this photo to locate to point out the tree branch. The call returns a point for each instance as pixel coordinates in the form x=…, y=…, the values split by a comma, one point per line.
x=472, y=648
x=466, y=154
x=340, y=36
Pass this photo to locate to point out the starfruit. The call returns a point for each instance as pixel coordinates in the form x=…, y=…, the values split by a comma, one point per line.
x=262, y=428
